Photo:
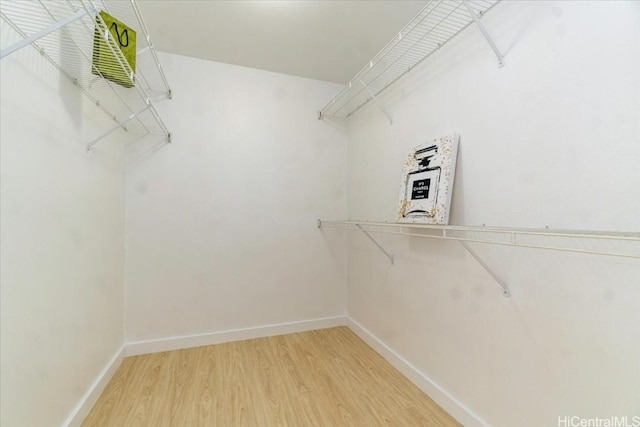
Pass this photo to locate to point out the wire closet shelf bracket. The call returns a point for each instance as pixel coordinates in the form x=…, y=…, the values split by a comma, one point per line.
x=64, y=32
x=434, y=26
x=614, y=244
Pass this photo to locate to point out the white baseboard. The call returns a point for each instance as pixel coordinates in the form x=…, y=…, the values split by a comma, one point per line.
x=95, y=390
x=189, y=341
x=450, y=404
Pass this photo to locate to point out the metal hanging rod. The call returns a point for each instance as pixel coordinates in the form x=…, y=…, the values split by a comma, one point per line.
x=44, y=32
x=434, y=26
x=64, y=32
x=514, y=237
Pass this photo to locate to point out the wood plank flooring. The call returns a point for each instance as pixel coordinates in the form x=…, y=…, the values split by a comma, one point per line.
x=328, y=377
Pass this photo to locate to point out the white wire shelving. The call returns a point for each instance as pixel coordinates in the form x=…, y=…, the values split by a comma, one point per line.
x=616, y=244
x=435, y=25
x=564, y=240
x=64, y=32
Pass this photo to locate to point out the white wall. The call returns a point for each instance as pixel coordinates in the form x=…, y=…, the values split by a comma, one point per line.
x=62, y=237
x=219, y=240
x=550, y=139
x=221, y=224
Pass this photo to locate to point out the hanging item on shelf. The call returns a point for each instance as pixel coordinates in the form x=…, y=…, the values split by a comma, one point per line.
x=122, y=53
x=105, y=61
x=427, y=181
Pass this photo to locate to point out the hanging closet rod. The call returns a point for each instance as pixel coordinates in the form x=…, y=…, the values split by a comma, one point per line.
x=26, y=41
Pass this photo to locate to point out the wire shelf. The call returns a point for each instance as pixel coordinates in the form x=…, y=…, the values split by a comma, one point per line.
x=65, y=31
x=618, y=244
x=437, y=23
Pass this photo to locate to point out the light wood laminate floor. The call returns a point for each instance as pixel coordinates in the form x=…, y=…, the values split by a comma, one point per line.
x=328, y=377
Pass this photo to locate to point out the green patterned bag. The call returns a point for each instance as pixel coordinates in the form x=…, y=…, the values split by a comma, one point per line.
x=104, y=61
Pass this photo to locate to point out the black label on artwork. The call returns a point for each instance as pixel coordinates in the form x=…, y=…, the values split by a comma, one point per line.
x=420, y=189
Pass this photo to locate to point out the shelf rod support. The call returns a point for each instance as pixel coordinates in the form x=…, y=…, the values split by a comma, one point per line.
x=503, y=285
x=375, y=242
x=136, y=10
x=321, y=116
x=42, y=33
x=118, y=126
x=384, y=110
x=485, y=33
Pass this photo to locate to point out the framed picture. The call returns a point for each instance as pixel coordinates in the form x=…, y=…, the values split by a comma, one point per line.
x=427, y=181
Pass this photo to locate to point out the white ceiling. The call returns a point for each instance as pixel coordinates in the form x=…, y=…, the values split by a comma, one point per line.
x=321, y=39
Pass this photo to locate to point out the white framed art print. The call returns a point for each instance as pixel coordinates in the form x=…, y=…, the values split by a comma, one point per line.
x=427, y=181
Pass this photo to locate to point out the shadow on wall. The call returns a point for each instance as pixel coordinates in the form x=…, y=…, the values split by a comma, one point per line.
x=457, y=209
x=71, y=96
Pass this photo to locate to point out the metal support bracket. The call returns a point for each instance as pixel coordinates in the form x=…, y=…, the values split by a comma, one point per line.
x=505, y=288
x=118, y=126
x=375, y=243
x=321, y=116
x=485, y=33
x=384, y=110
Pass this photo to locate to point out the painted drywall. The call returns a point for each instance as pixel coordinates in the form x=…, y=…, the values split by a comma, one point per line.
x=550, y=139
x=62, y=240
x=221, y=223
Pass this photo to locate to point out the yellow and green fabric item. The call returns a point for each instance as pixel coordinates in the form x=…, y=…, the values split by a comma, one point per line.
x=105, y=63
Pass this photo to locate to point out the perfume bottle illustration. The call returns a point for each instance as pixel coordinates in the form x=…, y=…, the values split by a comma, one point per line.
x=422, y=184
